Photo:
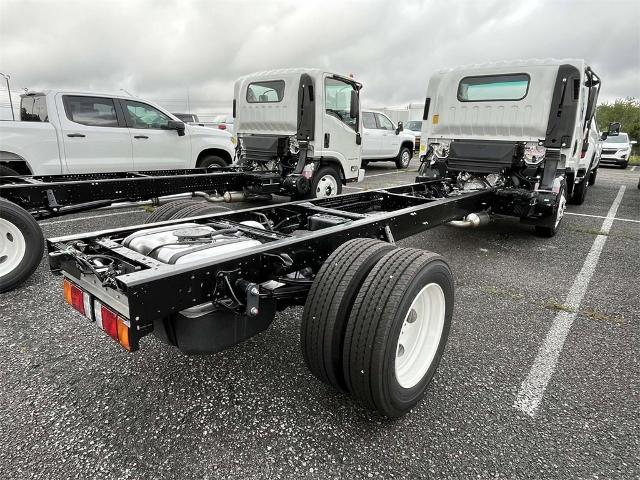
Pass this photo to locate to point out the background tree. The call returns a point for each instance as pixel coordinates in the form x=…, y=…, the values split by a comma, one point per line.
x=627, y=112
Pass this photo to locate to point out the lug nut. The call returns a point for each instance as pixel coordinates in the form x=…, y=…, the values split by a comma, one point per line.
x=253, y=311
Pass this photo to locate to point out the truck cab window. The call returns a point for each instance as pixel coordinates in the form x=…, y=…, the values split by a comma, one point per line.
x=33, y=108
x=265, y=92
x=338, y=100
x=384, y=122
x=92, y=111
x=141, y=115
x=368, y=120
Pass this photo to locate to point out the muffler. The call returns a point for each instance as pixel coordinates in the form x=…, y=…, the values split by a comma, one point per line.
x=472, y=220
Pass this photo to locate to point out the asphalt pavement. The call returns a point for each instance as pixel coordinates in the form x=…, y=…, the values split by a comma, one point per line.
x=73, y=404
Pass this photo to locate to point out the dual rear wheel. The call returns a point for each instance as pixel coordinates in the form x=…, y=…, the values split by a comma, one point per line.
x=376, y=322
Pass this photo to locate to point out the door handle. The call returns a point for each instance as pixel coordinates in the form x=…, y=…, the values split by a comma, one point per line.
x=140, y=136
x=76, y=135
x=326, y=140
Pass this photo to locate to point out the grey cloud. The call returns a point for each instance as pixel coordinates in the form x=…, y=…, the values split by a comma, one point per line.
x=166, y=50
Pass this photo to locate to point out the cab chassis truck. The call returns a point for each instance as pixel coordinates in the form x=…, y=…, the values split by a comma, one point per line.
x=376, y=317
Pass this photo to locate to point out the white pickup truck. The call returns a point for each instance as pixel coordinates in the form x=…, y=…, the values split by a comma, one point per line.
x=384, y=141
x=72, y=132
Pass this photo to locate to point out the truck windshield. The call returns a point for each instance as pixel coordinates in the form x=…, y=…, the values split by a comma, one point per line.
x=413, y=125
x=493, y=87
x=338, y=100
x=33, y=108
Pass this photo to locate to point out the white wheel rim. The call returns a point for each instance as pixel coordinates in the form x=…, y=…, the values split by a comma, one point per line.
x=405, y=158
x=420, y=336
x=327, y=187
x=12, y=247
x=562, y=205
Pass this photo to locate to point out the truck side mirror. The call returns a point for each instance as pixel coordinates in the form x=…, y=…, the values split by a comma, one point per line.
x=354, y=107
x=603, y=136
x=633, y=142
x=177, y=126
x=399, y=128
x=614, y=129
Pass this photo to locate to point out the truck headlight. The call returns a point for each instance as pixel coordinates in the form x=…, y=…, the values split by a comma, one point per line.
x=534, y=153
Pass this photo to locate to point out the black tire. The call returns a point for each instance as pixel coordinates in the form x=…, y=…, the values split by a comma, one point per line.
x=164, y=212
x=580, y=190
x=201, y=208
x=624, y=165
x=377, y=318
x=212, y=161
x=318, y=180
x=592, y=177
x=364, y=163
x=7, y=172
x=12, y=218
x=552, y=228
x=329, y=303
x=186, y=210
x=404, y=158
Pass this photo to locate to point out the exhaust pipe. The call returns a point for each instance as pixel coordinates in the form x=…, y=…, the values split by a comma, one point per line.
x=472, y=220
x=209, y=198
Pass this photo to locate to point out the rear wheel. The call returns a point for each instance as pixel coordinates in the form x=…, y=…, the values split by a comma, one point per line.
x=397, y=330
x=199, y=208
x=164, y=212
x=7, y=172
x=21, y=245
x=580, y=190
x=329, y=303
x=592, y=177
x=404, y=158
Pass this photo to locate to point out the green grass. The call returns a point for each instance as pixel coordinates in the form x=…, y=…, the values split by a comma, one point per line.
x=634, y=160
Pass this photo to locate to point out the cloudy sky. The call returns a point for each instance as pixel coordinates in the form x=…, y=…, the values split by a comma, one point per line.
x=171, y=50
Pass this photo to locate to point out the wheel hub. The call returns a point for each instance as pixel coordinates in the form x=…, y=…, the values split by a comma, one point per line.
x=12, y=247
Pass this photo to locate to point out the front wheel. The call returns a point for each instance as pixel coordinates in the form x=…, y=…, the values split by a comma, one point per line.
x=326, y=183
x=404, y=158
x=21, y=245
x=211, y=161
x=592, y=177
x=580, y=190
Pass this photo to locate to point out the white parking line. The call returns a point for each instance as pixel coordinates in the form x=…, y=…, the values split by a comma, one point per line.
x=355, y=188
x=633, y=169
x=54, y=222
x=532, y=389
x=602, y=216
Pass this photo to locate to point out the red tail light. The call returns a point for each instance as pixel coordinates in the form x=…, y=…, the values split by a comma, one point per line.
x=77, y=298
x=113, y=324
x=222, y=126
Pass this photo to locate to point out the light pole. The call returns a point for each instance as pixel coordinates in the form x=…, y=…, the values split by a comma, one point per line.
x=7, y=77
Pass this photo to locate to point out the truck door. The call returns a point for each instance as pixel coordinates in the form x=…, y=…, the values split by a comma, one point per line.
x=155, y=147
x=390, y=143
x=371, y=136
x=94, y=135
x=340, y=130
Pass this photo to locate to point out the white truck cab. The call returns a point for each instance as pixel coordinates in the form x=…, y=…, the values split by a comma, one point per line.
x=303, y=122
x=515, y=122
x=383, y=140
x=63, y=132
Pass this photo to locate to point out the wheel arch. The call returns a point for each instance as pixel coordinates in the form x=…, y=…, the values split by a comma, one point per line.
x=214, y=151
x=15, y=162
x=334, y=162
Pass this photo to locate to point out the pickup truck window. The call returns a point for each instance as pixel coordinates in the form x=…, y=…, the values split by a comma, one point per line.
x=33, y=108
x=265, y=92
x=142, y=115
x=92, y=111
x=368, y=120
x=384, y=123
x=337, y=95
x=487, y=88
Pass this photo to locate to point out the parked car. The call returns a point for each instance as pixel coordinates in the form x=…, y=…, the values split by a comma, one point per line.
x=616, y=150
x=415, y=127
x=223, y=122
x=384, y=141
x=190, y=118
x=79, y=132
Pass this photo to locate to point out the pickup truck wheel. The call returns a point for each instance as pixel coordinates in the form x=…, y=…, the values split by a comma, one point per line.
x=329, y=303
x=404, y=158
x=211, y=161
x=397, y=330
x=580, y=190
x=21, y=245
x=164, y=212
x=592, y=177
x=7, y=172
x=326, y=183
x=364, y=163
x=558, y=214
